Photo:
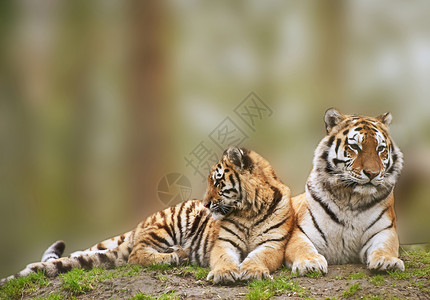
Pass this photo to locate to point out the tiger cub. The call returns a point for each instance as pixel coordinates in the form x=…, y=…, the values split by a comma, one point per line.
x=240, y=229
x=347, y=213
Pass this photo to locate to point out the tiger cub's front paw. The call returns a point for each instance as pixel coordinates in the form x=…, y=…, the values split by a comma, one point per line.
x=182, y=256
x=380, y=262
x=249, y=272
x=224, y=275
x=310, y=263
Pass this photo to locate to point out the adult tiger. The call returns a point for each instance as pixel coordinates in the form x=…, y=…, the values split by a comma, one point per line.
x=347, y=213
x=240, y=229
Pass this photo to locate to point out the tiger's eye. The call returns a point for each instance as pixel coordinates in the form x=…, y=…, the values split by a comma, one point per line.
x=354, y=147
x=380, y=149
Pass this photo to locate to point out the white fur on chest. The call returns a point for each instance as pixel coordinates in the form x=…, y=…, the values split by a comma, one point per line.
x=340, y=242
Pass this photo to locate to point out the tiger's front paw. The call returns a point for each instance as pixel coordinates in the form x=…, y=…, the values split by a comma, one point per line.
x=379, y=262
x=224, y=275
x=182, y=255
x=310, y=263
x=249, y=272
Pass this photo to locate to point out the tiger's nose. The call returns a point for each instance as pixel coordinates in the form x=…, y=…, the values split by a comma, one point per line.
x=208, y=205
x=370, y=174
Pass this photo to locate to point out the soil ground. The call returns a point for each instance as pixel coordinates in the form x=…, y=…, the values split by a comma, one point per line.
x=345, y=281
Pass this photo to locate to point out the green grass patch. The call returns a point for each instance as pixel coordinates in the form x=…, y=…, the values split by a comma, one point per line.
x=377, y=280
x=399, y=275
x=419, y=272
x=416, y=259
x=161, y=277
x=422, y=285
x=55, y=296
x=129, y=271
x=349, y=292
x=195, y=271
x=417, y=264
x=198, y=272
x=79, y=281
x=159, y=267
x=16, y=288
x=356, y=276
x=371, y=297
x=166, y=296
x=265, y=289
x=314, y=274
x=385, y=297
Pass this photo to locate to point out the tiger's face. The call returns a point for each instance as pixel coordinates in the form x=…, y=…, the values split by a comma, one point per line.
x=359, y=152
x=226, y=191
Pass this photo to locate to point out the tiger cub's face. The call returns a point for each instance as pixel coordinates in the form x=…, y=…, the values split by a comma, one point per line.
x=225, y=191
x=359, y=152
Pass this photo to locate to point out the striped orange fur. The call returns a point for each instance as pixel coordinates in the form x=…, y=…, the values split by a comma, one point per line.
x=347, y=213
x=240, y=229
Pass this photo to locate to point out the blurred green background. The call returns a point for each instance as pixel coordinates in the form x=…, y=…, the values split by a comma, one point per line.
x=101, y=99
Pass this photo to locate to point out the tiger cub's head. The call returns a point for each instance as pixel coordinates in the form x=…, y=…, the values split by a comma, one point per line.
x=240, y=181
x=358, y=153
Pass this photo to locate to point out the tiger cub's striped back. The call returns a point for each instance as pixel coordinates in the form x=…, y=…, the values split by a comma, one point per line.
x=347, y=212
x=240, y=229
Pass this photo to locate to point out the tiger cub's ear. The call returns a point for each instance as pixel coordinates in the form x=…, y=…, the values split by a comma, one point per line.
x=235, y=156
x=385, y=119
x=332, y=117
x=239, y=157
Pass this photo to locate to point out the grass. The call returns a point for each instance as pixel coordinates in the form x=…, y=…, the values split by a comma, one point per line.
x=422, y=285
x=314, y=274
x=349, y=292
x=197, y=272
x=417, y=265
x=165, y=296
x=265, y=289
x=158, y=267
x=55, y=296
x=80, y=282
x=75, y=282
x=371, y=297
x=388, y=297
x=377, y=280
x=356, y=276
x=15, y=288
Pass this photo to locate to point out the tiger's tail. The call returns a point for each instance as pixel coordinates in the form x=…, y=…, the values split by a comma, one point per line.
x=53, y=264
x=54, y=251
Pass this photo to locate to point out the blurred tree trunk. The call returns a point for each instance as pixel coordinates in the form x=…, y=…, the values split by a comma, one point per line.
x=329, y=32
x=147, y=102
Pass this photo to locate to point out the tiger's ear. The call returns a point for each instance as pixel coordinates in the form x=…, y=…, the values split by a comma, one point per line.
x=239, y=157
x=385, y=118
x=332, y=117
x=235, y=156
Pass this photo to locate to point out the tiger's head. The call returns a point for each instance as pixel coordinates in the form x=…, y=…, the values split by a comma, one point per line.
x=238, y=183
x=358, y=153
